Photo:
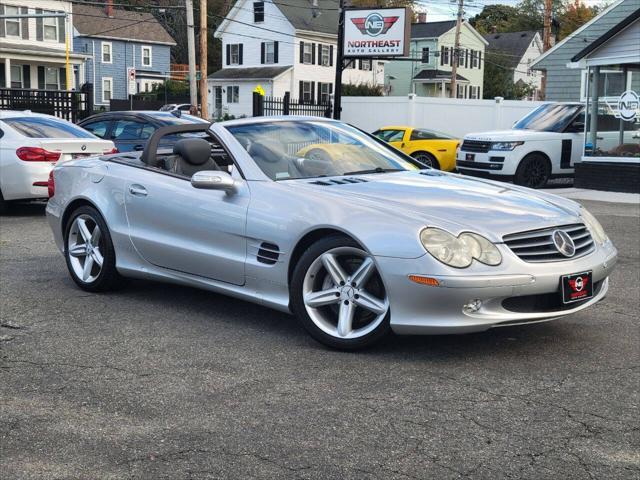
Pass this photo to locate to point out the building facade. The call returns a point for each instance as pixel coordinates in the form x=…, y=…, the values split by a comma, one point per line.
x=570, y=84
x=33, y=50
x=517, y=51
x=113, y=41
x=432, y=48
x=281, y=48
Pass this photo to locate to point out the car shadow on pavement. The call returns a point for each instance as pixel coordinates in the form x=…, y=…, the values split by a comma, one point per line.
x=213, y=310
x=35, y=209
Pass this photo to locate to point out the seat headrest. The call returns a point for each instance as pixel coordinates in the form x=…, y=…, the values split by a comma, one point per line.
x=194, y=151
x=267, y=153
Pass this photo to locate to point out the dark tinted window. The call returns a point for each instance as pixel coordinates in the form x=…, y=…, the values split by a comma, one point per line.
x=418, y=134
x=45, y=127
x=99, y=128
x=389, y=135
x=131, y=130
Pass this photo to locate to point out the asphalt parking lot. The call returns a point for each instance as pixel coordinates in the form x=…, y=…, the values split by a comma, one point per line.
x=159, y=381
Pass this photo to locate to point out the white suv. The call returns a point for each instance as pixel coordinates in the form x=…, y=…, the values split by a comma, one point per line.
x=544, y=144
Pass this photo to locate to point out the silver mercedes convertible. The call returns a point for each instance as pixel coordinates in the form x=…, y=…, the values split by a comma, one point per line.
x=317, y=218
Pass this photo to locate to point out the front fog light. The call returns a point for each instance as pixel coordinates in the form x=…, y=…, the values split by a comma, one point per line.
x=473, y=306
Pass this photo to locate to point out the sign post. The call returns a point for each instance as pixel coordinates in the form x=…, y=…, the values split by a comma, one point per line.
x=131, y=85
x=369, y=33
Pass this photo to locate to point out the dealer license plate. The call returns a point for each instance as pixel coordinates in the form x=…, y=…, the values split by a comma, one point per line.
x=576, y=287
x=470, y=157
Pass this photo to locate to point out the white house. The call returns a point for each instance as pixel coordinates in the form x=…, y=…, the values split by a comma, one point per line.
x=282, y=47
x=33, y=50
x=519, y=50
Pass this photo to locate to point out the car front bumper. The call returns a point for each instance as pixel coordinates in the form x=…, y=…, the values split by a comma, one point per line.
x=422, y=309
x=502, y=164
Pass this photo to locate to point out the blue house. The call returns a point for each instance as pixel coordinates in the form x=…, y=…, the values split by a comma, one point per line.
x=115, y=40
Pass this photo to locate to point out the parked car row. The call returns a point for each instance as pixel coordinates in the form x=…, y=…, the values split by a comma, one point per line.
x=32, y=143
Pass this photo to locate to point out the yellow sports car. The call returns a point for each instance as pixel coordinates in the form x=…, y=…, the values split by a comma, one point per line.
x=436, y=149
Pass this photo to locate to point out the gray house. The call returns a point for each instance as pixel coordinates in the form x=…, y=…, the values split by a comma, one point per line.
x=566, y=84
x=114, y=40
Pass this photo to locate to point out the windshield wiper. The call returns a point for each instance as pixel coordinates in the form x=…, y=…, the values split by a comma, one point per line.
x=374, y=170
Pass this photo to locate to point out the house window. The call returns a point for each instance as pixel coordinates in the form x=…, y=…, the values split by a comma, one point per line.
x=444, y=56
x=474, y=59
x=269, y=52
x=106, y=52
x=50, y=28
x=325, y=93
x=349, y=63
x=146, y=56
x=233, y=94
x=107, y=89
x=16, y=76
x=365, y=65
x=324, y=55
x=460, y=53
x=258, y=12
x=307, y=55
x=51, y=78
x=234, y=54
x=12, y=25
x=307, y=92
x=460, y=89
x=425, y=55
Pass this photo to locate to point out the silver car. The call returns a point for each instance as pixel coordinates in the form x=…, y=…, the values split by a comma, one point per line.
x=316, y=218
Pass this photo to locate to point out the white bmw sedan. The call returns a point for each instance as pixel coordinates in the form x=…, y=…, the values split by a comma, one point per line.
x=31, y=144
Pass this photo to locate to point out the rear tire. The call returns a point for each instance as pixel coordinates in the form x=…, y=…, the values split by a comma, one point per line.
x=426, y=159
x=338, y=295
x=89, y=251
x=533, y=172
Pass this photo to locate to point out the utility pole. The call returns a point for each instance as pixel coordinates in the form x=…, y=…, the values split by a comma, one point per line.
x=546, y=43
x=337, y=88
x=456, y=50
x=191, y=47
x=204, y=110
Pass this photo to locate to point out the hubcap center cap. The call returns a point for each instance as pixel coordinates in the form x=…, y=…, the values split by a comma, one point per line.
x=347, y=292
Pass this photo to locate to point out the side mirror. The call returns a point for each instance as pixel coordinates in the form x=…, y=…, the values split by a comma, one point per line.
x=213, y=180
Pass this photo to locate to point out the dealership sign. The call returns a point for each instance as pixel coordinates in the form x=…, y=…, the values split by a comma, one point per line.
x=380, y=32
x=628, y=106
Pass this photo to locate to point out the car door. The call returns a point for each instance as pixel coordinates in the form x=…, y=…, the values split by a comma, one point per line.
x=131, y=134
x=176, y=226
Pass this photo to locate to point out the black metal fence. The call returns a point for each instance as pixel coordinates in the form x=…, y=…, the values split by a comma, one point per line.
x=269, y=106
x=146, y=102
x=72, y=106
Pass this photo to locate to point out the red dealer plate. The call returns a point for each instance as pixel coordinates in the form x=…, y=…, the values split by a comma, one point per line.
x=576, y=287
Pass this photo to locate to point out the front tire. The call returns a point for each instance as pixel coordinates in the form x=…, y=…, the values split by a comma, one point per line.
x=427, y=159
x=533, y=172
x=338, y=294
x=89, y=252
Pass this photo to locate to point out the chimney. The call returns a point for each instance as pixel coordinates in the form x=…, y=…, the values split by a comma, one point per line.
x=422, y=17
x=108, y=8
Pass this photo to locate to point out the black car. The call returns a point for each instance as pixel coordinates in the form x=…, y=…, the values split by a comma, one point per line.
x=131, y=130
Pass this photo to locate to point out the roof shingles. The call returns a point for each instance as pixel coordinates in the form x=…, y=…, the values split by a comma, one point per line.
x=92, y=21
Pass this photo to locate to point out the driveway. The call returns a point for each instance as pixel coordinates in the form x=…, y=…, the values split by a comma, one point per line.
x=159, y=381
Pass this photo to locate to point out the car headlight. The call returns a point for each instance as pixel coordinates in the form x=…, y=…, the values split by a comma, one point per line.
x=505, y=145
x=459, y=251
x=597, y=232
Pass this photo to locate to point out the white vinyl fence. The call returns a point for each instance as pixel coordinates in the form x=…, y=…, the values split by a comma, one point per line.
x=457, y=117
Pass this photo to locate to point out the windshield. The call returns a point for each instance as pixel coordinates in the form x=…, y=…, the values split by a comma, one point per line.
x=45, y=127
x=549, y=118
x=306, y=149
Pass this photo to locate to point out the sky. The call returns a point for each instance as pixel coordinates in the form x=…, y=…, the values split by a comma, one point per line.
x=446, y=9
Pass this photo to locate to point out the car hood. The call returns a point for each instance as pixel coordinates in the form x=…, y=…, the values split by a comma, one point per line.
x=511, y=135
x=454, y=202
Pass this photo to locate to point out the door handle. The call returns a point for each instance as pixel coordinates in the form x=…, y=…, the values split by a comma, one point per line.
x=137, y=190
x=599, y=138
x=138, y=148
x=402, y=145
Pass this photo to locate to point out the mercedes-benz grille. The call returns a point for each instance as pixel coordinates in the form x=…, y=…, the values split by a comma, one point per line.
x=538, y=245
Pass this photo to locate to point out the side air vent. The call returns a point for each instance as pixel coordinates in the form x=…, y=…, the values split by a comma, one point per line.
x=268, y=253
x=341, y=181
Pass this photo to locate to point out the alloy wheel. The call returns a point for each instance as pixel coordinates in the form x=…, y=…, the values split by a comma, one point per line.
x=84, y=246
x=425, y=160
x=535, y=173
x=343, y=293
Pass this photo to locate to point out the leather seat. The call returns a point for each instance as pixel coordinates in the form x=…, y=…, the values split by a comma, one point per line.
x=271, y=160
x=192, y=155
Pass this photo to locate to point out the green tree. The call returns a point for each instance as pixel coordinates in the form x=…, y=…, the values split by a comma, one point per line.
x=498, y=79
x=573, y=16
